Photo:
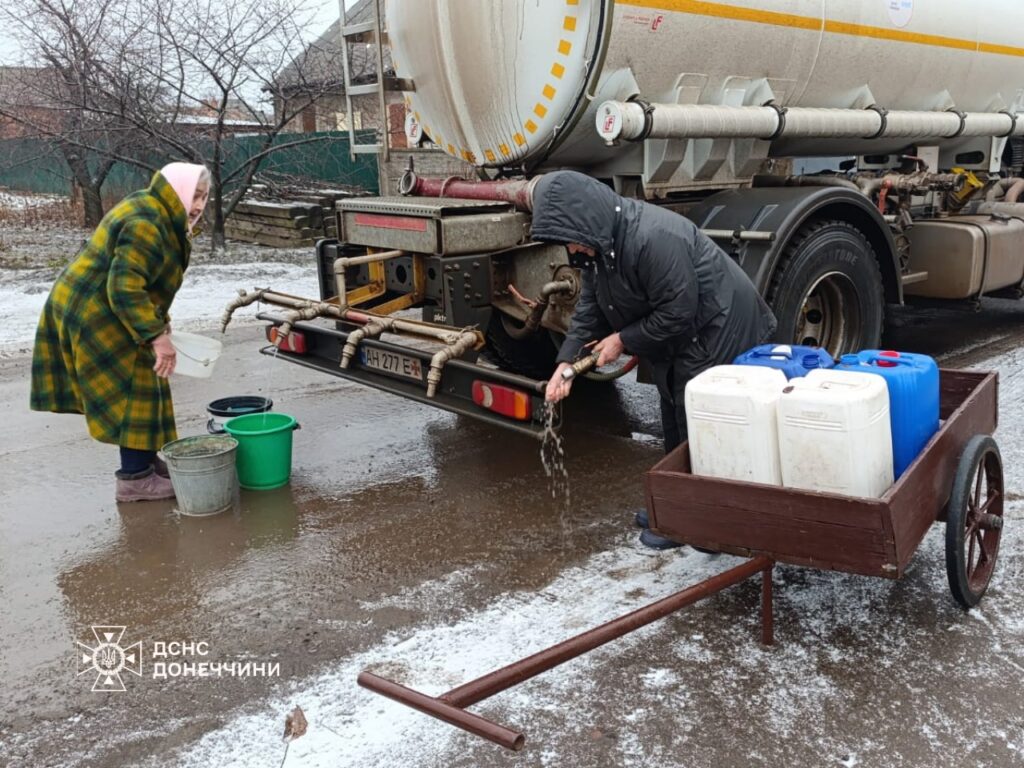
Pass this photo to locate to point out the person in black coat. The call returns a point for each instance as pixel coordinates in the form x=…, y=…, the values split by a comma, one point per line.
x=654, y=286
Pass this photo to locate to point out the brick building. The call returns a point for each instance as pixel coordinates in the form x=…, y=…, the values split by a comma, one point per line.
x=27, y=102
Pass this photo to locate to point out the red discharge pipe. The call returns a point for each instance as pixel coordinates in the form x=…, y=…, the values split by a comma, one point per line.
x=519, y=192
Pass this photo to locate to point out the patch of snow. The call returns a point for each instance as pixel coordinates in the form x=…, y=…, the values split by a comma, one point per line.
x=207, y=289
x=645, y=439
x=21, y=201
x=431, y=595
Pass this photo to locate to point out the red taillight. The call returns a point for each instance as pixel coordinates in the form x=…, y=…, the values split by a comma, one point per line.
x=504, y=400
x=293, y=342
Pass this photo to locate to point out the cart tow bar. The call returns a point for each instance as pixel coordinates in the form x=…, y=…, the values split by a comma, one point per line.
x=451, y=707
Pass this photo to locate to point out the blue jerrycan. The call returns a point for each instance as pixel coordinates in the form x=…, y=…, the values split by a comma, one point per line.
x=913, y=382
x=794, y=361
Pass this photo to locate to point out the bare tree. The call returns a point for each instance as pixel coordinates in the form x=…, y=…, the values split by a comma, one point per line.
x=220, y=61
x=135, y=81
x=79, y=94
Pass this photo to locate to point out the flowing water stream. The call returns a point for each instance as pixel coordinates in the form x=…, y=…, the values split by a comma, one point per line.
x=552, y=457
x=268, y=381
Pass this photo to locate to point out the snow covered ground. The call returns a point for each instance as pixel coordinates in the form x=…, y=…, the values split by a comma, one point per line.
x=198, y=306
x=18, y=201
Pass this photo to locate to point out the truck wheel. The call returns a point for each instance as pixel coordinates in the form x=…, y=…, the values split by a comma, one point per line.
x=533, y=356
x=827, y=290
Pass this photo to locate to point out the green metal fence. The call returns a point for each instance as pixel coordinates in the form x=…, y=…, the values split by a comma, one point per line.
x=35, y=165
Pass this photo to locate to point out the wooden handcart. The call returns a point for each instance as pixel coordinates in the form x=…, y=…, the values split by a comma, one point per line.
x=958, y=478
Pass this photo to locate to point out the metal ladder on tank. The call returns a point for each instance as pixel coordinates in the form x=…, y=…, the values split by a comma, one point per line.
x=349, y=32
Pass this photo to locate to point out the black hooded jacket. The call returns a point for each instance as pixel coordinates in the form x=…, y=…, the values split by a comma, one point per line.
x=676, y=299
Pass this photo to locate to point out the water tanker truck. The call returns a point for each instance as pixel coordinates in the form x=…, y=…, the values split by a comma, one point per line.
x=701, y=107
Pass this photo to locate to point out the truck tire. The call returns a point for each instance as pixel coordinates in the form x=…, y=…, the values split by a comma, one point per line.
x=533, y=356
x=827, y=290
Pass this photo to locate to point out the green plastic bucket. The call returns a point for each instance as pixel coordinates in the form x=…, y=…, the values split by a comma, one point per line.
x=264, y=449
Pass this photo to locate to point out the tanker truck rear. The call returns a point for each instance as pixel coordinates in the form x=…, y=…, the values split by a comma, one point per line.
x=697, y=106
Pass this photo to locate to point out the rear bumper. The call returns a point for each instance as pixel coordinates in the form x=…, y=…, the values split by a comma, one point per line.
x=455, y=393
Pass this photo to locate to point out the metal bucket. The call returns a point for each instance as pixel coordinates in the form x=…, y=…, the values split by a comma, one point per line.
x=203, y=474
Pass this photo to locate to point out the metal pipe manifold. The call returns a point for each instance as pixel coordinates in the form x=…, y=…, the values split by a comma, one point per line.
x=244, y=299
x=465, y=341
x=372, y=330
x=311, y=311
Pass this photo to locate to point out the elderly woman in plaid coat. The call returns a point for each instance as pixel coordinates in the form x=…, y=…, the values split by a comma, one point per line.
x=103, y=346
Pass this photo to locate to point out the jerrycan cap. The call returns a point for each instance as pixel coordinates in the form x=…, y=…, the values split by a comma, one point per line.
x=885, y=363
x=849, y=360
x=811, y=361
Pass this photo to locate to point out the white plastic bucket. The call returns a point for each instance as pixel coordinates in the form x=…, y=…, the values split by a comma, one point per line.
x=196, y=354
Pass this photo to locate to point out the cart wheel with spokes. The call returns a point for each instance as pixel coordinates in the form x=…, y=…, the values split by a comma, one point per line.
x=974, y=520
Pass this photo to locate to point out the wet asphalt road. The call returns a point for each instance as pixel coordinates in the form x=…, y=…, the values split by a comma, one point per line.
x=402, y=522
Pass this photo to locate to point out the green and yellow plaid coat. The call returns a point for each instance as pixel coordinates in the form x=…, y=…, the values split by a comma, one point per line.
x=92, y=353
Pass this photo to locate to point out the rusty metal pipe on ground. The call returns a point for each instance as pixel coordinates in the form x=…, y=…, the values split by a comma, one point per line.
x=450, y=707
x=428, y=705
x=540, y=306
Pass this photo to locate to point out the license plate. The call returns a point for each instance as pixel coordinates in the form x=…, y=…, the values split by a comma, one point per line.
x=392, y=363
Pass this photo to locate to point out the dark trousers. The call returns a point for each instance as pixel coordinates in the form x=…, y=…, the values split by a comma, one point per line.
x=673, y=422
x=673, y=410
x=135, y=463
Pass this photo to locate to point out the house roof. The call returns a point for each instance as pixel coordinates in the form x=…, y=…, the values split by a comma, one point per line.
x=320, y=65
x=212, y=120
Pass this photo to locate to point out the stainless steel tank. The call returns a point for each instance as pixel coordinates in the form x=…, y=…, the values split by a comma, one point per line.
x=518, y=82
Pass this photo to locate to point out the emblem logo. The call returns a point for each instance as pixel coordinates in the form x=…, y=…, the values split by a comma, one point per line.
x=108, y=658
